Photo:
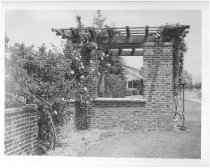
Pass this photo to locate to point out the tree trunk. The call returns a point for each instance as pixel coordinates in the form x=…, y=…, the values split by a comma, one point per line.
x=104, y=85
x=99, y=84
x=104, y=91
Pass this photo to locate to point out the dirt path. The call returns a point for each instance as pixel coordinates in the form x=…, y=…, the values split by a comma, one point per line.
x=121, y=143
x=186, y=144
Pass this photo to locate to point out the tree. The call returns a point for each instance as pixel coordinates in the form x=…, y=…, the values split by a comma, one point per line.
x=108, y=64
x=186, y=77
x=99, y=19
x=197, y=85
x=115, y=86
x=79, y=22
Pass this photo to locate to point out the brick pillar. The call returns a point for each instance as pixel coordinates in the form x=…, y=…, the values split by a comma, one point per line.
x=158, y=81
x=94, y=65
x=90, y=61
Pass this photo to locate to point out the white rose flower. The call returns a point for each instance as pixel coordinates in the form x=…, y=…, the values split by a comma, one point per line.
x=85, y=89
x=72, y=72
x=82, y=77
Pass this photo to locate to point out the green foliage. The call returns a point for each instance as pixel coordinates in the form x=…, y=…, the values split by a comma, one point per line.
x=128, y=92
x=108, y=64
x=79, y=22
x=115, y=86
x=47, y=78
x=178, y=62
x=197, y=85
x=99, y=19
x=16, y=77
x=186, y=77
x=179, y=48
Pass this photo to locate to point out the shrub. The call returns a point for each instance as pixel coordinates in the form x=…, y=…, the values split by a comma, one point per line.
x=134, y=91
x=115, y=86
x=128, y=92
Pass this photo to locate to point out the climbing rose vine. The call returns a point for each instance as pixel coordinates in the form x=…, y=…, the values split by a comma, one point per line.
x=51, y=78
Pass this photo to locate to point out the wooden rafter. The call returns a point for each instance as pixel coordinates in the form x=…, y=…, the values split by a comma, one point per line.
x=119, y=38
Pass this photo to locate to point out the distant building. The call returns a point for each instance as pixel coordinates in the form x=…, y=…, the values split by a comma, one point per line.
x=134, y=78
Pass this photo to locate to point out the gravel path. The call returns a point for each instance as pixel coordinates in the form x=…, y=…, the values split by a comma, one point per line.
x=76, y=143
x=73, y=144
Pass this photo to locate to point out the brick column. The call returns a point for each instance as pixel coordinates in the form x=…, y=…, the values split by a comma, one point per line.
x=90, y=61
x=94, y=65
x=158, y=81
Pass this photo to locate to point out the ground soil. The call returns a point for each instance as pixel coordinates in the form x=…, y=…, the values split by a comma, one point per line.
x=150, y=144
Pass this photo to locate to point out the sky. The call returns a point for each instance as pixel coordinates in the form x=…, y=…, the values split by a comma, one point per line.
x=33, y=27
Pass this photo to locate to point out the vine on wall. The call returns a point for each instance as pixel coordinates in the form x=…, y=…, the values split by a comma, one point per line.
x=179, y=48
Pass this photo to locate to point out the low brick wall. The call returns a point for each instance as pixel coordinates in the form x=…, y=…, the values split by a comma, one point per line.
x=116, y=112
x=20, y=131
x=132, y=114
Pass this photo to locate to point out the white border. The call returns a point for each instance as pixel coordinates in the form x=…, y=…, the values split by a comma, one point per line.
x=18, y=161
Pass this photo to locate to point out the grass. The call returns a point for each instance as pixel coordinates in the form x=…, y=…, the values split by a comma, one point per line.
x=173, y=144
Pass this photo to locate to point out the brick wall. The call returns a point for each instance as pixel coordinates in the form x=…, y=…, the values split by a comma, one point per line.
x=118, y=112
x=94, y=65
x=20, y=131
x=155, y=111
x=158, y=83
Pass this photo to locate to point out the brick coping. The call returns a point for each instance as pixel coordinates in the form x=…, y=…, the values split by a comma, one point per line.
x=120, y=100
x=18, y=109
x=154, y=43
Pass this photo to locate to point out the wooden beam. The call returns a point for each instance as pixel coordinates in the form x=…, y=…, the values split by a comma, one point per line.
x=64, y=37
x=120, y=46
x=120, y=39
x=73, y=32
x=127, y=31
x=124, y=52
x=119, y=52
x=133, y=50
x=146, y=33
x=110, y=33
x=92, y=34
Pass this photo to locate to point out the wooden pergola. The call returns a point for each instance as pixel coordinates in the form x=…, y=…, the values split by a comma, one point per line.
x=124, y=41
